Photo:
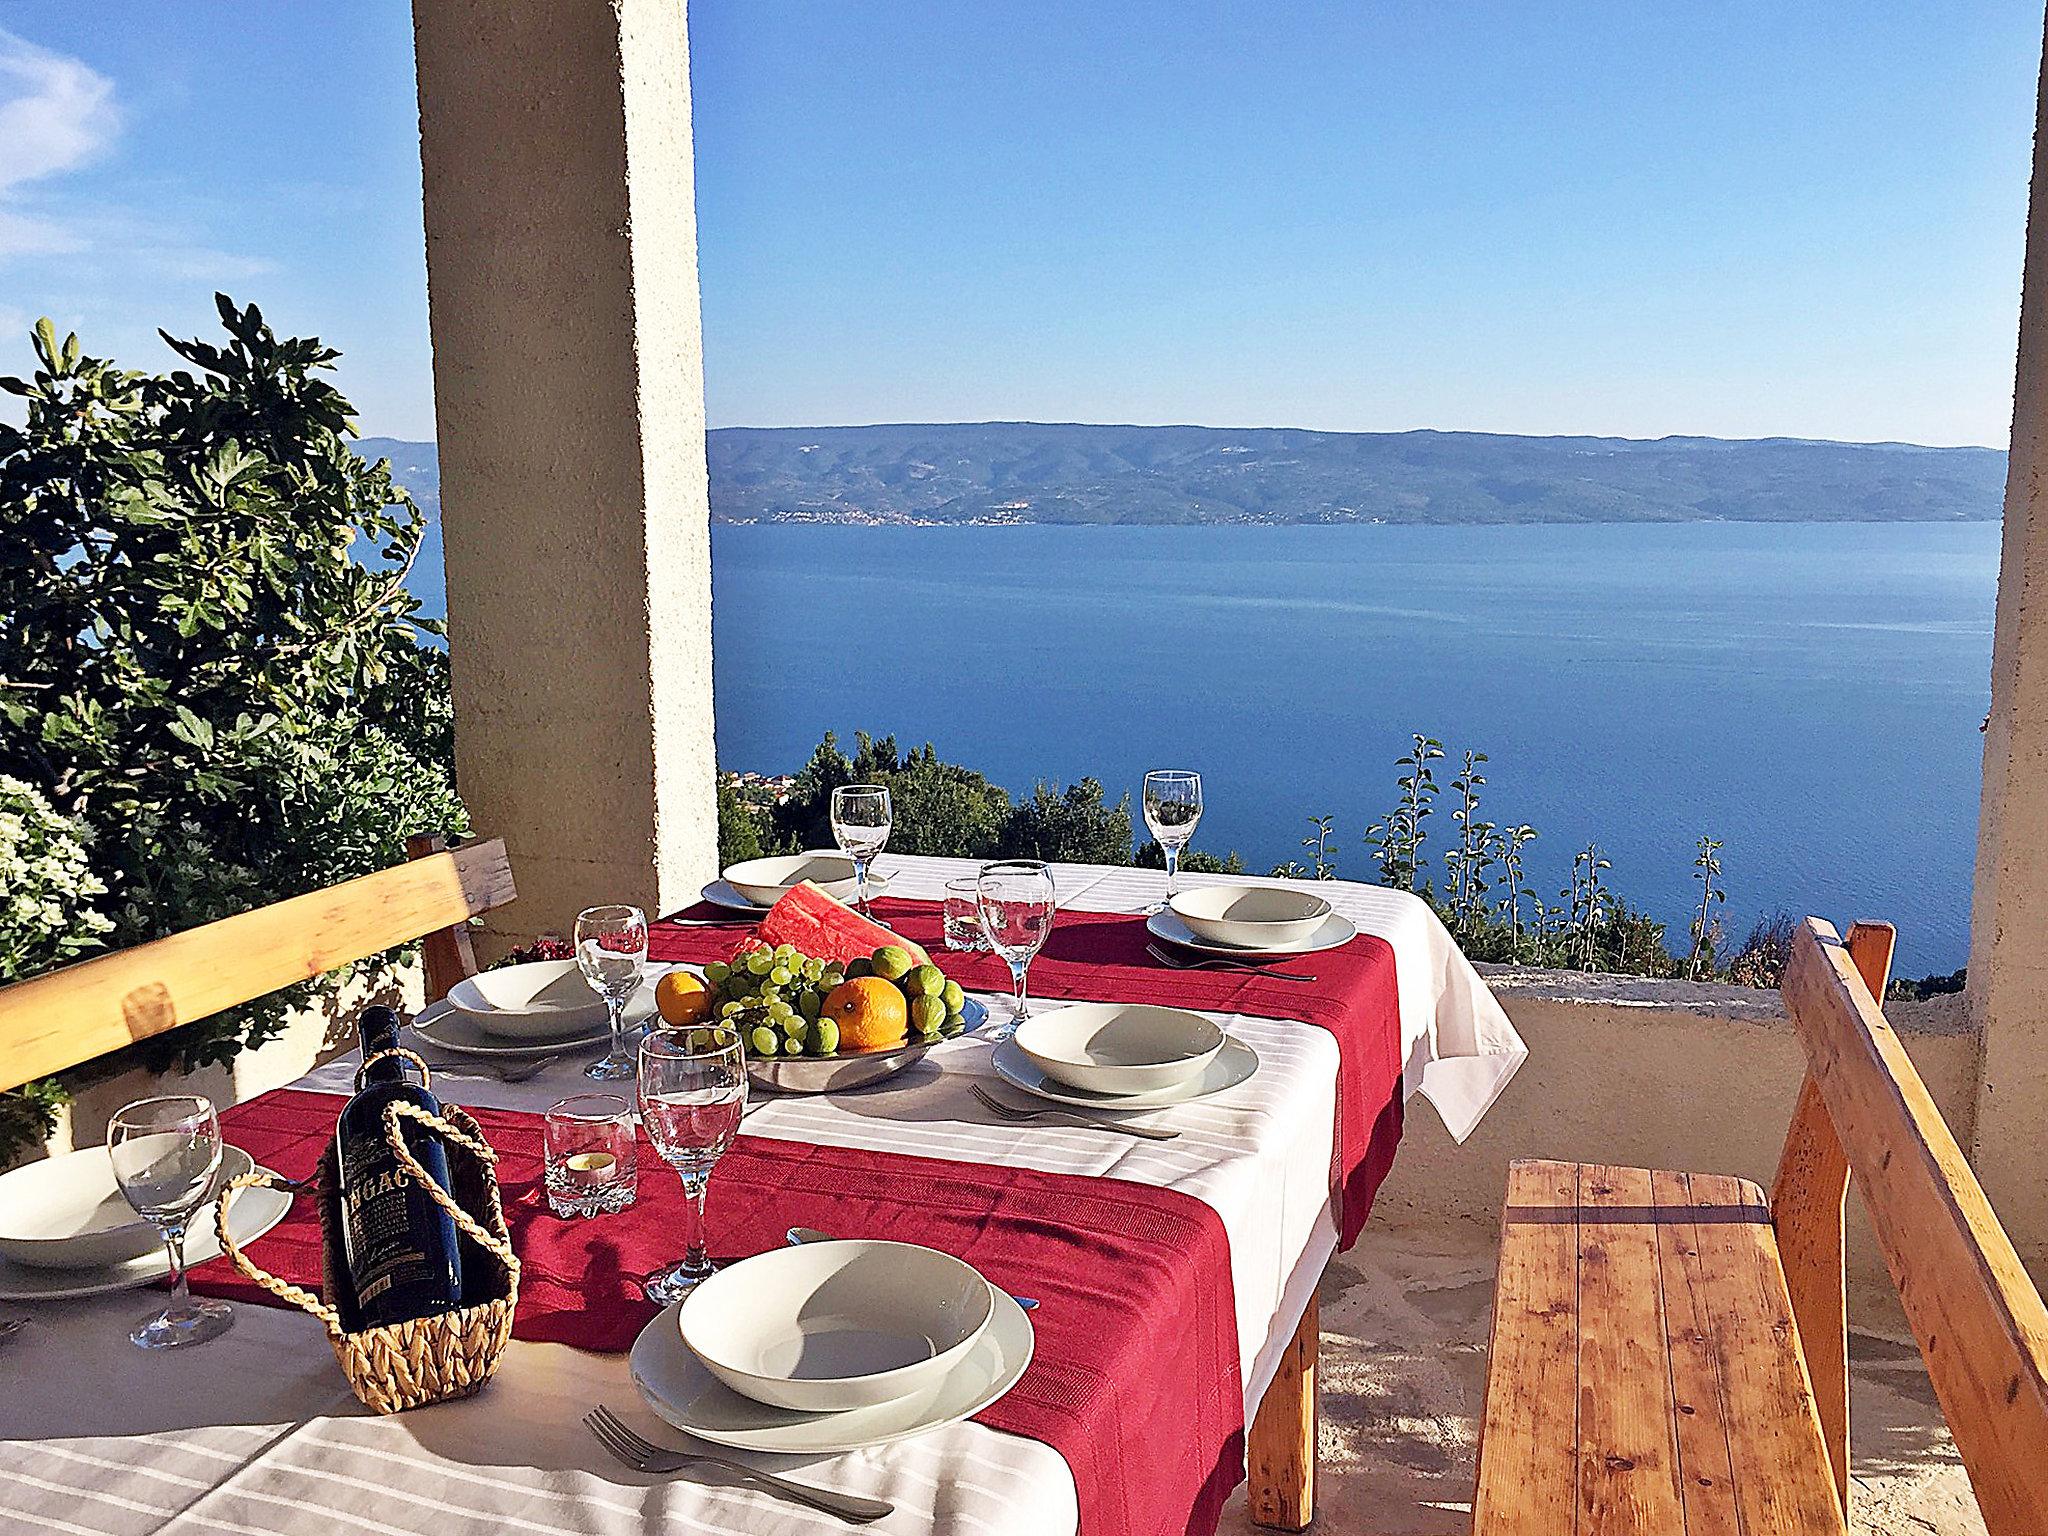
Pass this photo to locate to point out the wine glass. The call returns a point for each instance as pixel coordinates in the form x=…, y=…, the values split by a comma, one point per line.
x=611, y=950
x=166, y=1153
x=1173, y=804
x=860, y=826
x=693, y=1090
x=1016, y=901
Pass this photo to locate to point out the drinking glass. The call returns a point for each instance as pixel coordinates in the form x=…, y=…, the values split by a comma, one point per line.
x=1015, y=898
x=591, y=1162
x=963, y=916
x=860, y=826
x=166, y=1153
x=693, y=1090
x=1173, y=804
x=611, y=949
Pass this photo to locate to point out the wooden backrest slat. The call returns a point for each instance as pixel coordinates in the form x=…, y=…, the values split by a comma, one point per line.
x=69, y=1016
x=1981, y=1325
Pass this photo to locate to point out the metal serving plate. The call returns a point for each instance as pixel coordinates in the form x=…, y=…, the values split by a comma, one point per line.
x=835, y=1074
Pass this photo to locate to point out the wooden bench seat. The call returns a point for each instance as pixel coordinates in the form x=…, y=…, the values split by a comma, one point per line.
x=1669, y=1352
x=1641, y=1378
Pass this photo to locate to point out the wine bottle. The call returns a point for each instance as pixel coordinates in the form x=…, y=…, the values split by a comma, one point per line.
x=399, y=1248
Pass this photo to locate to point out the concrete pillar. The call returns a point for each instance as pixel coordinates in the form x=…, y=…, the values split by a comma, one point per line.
x=2009, y=914
x=569, y=404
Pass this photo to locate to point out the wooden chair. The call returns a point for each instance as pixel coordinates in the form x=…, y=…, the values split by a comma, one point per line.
x=73, y=1015
x=1670, y=1350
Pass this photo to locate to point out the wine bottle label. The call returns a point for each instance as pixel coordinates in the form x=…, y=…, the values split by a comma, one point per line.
x=384, y=1245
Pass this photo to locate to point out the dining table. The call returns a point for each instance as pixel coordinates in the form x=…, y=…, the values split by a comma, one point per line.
x=256, y=1432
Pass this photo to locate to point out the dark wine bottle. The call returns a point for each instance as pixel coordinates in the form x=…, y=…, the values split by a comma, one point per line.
x=399, y=1248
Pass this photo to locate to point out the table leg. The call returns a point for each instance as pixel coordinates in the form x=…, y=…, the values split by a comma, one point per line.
x=1280, y=1458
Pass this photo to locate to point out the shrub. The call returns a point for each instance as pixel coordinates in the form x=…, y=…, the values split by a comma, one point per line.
x=211, y=672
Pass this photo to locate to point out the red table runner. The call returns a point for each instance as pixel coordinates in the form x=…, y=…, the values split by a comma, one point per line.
x=1135, y=1380
x=1101, y=957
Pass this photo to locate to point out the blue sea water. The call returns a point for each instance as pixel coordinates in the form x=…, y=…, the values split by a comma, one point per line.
x=1810, y=694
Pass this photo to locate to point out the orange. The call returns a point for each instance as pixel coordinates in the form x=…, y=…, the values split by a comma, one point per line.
x=683, y=998
x=870, y=1012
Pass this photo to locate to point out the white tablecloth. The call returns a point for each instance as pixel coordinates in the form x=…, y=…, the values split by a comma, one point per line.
x=257, y=1433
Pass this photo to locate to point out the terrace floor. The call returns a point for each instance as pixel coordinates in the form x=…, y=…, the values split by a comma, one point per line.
x=1400, y=1418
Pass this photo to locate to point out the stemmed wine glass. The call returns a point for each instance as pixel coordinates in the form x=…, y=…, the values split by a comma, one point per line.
x=693, y=1090
x=860, y=826
x=166, y=1153
x=611, y=950
x=1016, y=902
x=1173, y=804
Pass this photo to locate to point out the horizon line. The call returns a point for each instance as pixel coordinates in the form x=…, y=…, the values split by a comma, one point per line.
x=1194, y=426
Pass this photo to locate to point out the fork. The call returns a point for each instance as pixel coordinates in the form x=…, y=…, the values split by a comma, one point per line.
x=524, y=1072
x=1182, y=963
x=1019, y=1116
x=643, y=1455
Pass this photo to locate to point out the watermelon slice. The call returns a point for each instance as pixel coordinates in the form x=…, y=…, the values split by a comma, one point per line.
x=825, y=929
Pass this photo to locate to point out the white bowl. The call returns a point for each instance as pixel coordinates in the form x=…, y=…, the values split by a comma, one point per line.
x=766, y=881
x=543, y=1000
x=1251, y=916
x=67, y=1212
x=836, y=1325
x=1119, y=1047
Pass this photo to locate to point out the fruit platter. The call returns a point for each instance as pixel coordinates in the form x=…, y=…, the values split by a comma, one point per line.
x=822, y=998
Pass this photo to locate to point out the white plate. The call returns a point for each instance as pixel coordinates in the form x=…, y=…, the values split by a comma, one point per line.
x=1250, y=916
x=684, y=1394
x=833, y=1326
x=1337, y=929
x=68, y=1213
x=447, y=1028
x=254, y=1213
x=1233, y=1064
x=720, y=893
x=1120, y=1048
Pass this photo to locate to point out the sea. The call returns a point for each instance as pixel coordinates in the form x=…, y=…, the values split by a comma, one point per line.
x=1811, y=695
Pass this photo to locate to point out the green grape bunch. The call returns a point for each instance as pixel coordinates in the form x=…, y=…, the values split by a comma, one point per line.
x=773, y=998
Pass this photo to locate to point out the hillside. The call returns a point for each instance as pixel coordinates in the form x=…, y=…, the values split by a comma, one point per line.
x=1008, y=472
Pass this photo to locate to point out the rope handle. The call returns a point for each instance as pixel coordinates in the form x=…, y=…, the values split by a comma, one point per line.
x=369, y=1061
x=399, y=1109
x=283, y=1290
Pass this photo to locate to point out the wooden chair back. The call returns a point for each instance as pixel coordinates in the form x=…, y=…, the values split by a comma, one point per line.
x=1980, y=1323
x=82, y=1011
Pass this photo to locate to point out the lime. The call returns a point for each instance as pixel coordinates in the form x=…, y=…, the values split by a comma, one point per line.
x=955, y=998
x=927, y=1014
x=891, y=961
x=825, y=1038
x=857, y=967
x=925, y=981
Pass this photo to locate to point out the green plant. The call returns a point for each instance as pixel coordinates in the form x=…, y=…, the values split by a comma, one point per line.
x=1706, y=870
x=1397, y=841
x=1322, y=863
x=1077, y=826
x=209, y=662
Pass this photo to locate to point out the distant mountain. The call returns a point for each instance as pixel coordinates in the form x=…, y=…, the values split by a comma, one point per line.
x=1020, y=472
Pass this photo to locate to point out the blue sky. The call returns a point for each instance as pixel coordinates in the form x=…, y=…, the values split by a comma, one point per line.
x=1739, y=219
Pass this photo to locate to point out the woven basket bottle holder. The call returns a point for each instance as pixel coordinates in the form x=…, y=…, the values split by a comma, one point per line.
x=429, y=1359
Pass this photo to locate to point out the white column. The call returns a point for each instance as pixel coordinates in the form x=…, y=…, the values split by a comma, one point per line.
x=2009, y=914
x=569, y=402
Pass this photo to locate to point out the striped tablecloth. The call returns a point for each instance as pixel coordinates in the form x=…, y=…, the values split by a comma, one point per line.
x=257, y=1433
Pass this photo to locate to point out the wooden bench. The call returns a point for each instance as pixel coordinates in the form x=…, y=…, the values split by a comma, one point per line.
x=82, y=1011
x=1670, y=1350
